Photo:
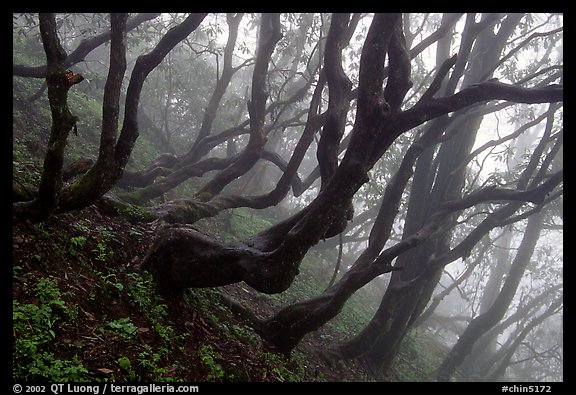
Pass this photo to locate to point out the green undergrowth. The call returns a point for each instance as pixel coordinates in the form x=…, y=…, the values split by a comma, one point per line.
x=82, y=311
x=224, y=360
x=34, y=327
x=77, y=315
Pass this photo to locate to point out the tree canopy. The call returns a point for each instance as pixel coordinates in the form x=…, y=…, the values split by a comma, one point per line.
x=425, y=149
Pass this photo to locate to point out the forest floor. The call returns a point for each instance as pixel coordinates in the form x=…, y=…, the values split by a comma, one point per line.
x=117, y=327
x=83, y=310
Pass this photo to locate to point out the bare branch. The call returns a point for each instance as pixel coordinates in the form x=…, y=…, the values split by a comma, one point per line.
x=83, y=49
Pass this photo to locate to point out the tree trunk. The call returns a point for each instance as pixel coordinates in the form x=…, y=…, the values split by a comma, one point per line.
x=114, y=154
x=48, y=197
x=487, y=345
x=395, y=320
x=279, y=250
x=505, y=363
x=484, y=322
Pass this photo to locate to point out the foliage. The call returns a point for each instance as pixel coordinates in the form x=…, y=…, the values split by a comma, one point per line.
x=76, y=243
x=125, y=366
x=35, y=328
x=142, y=292
x=174, y=100
x=209, y=358
x=123, y=326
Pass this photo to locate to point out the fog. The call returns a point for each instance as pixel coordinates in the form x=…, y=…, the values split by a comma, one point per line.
x=445, y=215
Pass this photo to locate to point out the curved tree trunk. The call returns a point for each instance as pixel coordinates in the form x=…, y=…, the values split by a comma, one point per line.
x=114, y=154
x=280, y=249
x=287, y=327
x=397, y=313
x=47, y=199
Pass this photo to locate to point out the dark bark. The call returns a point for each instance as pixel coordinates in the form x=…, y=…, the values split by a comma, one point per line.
x=284, y=245
x=339, y=87
x=112, y=88
x=437, y=182
x=75, y=168
x=161, y=166
x=106, y=173
x=47, y=200
x=287, y=243
x=287, y=327
x=269, y=37
x=204, y=145
x=114, y=152
x=404, y=298
x=158, y=188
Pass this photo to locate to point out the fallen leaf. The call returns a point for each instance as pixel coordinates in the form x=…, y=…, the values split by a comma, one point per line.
x=105, y=371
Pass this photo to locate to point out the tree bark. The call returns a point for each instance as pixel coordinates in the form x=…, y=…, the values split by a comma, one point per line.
x=434, y=184
x=114, y=155
x=283, y=246
x=48, y=197
x=287, y=327
x=269, y=37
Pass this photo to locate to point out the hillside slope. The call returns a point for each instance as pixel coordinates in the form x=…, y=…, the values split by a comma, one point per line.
x=84, y=311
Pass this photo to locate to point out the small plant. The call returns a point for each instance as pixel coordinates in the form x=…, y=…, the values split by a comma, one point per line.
x=102, y=253
x=125, y=366
x=40, y=229
x=81, y=228
x=279, y=369
x=109, y=282
x=34, y=329
x=123, y=327
x=150, y=360
x=142, y=292
x=76, y=243
x=134, y=232
x=208, y=358
x=134, y=213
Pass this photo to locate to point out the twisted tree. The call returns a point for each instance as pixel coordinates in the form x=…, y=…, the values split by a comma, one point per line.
x=364, y=118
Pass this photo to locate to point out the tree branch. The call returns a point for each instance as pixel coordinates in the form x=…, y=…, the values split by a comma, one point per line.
x=484, y=91
x=83, y=49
